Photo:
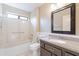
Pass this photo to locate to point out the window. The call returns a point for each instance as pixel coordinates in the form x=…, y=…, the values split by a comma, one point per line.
x=17, y=17
x=12, y=16
x=23, y=18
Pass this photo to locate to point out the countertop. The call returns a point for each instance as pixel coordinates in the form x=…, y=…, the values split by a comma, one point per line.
x=68, y=44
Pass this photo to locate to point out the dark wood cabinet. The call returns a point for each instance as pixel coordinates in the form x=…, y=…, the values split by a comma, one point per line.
x=53, y=50
x=45, y=52
x=48, y=49
x=68, y=54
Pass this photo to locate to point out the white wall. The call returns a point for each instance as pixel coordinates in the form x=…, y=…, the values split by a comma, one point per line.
x=77, y=18
x=15, y=10
x=35, y=20
x=45, y=18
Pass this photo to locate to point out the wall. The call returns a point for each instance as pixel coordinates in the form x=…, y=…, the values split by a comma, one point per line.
x=77, y=18
x=14, y=10
x=45, y=19
x=35, y=20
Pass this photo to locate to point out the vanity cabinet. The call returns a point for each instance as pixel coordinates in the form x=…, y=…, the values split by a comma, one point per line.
x=48, y=49
x=68, y=54
x=45, y=52
x=53, y=50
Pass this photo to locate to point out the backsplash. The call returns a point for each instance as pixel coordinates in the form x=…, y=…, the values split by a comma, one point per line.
x=59, y=36
x=63, y=36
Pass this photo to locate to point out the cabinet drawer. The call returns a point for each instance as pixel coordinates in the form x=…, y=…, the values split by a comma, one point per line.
x=57, y=52
x=49, y=48
x=53, y=54
x=44, y=52
x=53, y=50
x=68, y=54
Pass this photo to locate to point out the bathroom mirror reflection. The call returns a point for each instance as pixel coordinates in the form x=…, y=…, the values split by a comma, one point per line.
x=63, y=20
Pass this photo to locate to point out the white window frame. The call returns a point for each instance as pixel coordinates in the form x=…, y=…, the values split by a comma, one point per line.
x=23, y=18
x=12, y=16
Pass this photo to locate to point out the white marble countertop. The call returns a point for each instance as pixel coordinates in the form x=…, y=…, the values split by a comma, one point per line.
x=68, y=44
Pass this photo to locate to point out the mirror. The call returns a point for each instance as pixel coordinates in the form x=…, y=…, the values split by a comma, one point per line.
x=63, y=20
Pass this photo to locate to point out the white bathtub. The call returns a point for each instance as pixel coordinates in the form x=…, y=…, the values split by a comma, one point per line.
x=20, y=50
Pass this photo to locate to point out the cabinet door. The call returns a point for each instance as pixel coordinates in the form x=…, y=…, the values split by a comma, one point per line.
x=57, y=52
x=42, y=44
x=49, y=48
x=44, y=52
x=68, y=54
x=54, y=54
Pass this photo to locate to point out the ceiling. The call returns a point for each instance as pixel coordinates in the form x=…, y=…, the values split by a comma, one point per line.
x=25, y=6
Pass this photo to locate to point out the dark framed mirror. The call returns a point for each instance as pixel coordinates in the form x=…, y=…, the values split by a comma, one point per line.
x=63, y=20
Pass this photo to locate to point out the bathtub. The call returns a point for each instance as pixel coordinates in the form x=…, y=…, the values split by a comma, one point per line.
x=15, y=48
x=19, y=50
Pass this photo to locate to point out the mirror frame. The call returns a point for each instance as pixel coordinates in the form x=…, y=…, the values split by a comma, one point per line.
x=72, y=10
